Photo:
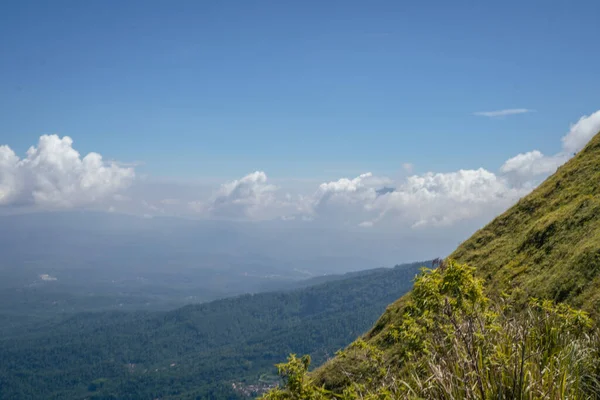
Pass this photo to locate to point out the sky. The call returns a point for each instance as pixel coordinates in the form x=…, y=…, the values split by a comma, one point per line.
x=370, y=115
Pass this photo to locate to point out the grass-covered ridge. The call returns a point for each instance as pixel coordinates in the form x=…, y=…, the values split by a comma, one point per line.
x=452, y=342
x=546, y=246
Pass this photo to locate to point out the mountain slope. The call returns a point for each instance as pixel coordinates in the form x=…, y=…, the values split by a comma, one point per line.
x=545, y=246
x=548, y=244
x=196, y=351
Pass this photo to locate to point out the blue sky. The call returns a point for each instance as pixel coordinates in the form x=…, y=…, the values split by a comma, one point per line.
x=296, y=111
x=298, y=89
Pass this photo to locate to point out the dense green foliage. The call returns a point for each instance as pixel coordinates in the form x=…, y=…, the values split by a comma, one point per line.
x=196, y=351
x=452, y=342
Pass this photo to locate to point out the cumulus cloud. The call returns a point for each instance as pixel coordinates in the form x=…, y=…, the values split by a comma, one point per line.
x=10, y=184
x=251, y=197
x=503, y=113
x=528, y=168
x=523, y=168
x=412, y=201
x=463, y=186
x=346, y=190
x=53, y=174
x=435, y=199
x=421, y=200
x=581, y=132
x=346, y=200
x=244, y=197
x=444, y=198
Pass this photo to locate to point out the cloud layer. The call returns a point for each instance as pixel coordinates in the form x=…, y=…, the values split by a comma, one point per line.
x=243, y=198
x=53, y=174
x=526, y=168
x=430, y=199
x=503, y=113
x=581, y=132
x=523, y=169
x=250, y=198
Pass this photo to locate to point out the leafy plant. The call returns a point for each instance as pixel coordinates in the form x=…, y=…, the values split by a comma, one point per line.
x=454, y=343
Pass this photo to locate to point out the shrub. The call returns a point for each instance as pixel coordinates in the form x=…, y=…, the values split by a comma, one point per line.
x=454, y=343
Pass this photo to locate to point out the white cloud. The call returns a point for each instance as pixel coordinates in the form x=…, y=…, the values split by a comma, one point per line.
x=523, y=161
x=445, y=198
x=417, y=201
x=463, y=186
x=581, y=132
x=10, y=184
x=523, y=168
x=435, y=199
x=345, y=190
x=53, y=174
x=528, y=168
x=420, y=200
x=250, y=197
x=245, y=197
x=503, y=113
x=345, y=200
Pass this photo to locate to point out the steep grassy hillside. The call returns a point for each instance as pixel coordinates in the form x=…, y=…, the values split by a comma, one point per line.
x=546, y=246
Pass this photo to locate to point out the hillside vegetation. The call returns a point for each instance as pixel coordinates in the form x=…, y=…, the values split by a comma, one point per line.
x=548, y=244
x=547, y=247
x=452, y=342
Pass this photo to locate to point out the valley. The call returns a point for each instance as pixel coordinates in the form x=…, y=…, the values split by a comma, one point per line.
x=197, y=351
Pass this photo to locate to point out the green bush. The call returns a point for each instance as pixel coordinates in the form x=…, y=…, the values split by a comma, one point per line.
x=454, y=343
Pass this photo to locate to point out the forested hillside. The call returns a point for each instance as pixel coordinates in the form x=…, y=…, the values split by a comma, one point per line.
x=196, y=351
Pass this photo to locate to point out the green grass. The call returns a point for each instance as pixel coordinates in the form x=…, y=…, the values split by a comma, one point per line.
x=548, y=244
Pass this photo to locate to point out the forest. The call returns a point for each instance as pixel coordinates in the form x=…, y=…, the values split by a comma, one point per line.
x=198, y=351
